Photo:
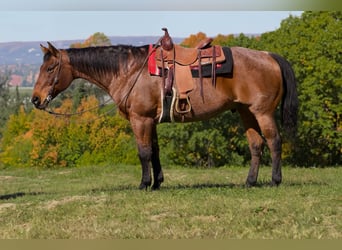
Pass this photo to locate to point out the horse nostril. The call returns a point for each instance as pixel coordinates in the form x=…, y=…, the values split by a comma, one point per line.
x=36, y=101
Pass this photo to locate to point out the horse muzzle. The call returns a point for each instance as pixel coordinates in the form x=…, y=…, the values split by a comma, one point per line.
x=39, y=104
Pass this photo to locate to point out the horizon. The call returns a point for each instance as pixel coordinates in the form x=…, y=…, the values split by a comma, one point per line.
x=75, y=25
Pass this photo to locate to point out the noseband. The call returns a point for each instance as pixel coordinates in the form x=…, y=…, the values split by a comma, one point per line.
x=55, y=80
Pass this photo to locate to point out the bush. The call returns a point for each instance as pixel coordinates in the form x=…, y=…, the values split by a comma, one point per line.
x=38, y=139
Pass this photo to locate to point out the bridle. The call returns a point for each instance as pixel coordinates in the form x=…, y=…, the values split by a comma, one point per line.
x=55, y=80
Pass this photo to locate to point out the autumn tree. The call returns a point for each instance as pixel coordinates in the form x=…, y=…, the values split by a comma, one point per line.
x=193, y=40
x=38, y=139
x=97, y=39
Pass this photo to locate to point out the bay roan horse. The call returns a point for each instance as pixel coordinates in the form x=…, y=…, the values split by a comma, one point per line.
x=260, y=81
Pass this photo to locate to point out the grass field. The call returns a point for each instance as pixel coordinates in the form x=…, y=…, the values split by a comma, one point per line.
x=104, y=203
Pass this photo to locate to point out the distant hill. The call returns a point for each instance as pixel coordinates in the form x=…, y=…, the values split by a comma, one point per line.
x=30, y=53
x=20, y=61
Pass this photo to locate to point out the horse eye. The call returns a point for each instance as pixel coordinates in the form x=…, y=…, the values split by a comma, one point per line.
x=50, y=68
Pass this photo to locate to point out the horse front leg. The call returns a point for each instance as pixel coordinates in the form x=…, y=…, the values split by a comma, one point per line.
x=145, y=153
x=142, y=128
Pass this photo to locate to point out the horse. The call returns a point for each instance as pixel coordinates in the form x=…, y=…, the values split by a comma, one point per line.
x=260, y=82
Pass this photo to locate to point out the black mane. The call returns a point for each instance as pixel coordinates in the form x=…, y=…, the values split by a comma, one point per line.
x=105, y=59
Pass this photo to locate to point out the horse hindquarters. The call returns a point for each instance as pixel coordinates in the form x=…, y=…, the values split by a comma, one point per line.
x=259, y=94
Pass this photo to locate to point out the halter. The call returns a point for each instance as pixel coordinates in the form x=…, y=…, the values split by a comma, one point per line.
x=55, y=80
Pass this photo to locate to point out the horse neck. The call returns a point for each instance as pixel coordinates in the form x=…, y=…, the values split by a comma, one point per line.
x=106, y=66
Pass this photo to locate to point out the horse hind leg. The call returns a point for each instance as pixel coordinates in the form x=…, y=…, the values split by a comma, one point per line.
x=255, y=141
x=270, y=131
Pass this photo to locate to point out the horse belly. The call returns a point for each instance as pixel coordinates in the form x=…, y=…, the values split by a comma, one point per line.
x=214, y=101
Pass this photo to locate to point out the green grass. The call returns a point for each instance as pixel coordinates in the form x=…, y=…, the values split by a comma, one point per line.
x=104, y=203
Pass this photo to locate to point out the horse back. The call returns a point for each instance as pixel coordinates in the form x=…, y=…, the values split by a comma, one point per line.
x=256, y=82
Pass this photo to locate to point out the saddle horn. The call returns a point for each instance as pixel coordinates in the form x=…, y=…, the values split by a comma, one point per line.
x=166, y=42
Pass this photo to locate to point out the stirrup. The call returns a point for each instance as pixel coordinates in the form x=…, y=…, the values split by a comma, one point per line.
x=182, y=111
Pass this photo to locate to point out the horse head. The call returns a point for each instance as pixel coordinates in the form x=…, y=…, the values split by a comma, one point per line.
x=55, y=76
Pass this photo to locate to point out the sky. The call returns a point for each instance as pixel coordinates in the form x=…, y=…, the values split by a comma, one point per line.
x=57, y=24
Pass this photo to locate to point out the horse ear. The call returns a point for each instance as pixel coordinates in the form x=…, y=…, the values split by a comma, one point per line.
x=44, y=49
x=53, y=50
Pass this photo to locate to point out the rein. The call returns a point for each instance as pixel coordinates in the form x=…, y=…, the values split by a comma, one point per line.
x=124, y=99
x=51, y=112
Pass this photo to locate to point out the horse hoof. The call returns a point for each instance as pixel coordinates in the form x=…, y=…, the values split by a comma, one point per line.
x=143, y=186
x=156, y=186
x=275, y=183
x=250, y=184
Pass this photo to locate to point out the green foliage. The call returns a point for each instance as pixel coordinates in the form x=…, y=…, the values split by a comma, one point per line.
x=9, y=102
x=4, y=99
x=241, y=41
x=312, y=43
x=211, y=143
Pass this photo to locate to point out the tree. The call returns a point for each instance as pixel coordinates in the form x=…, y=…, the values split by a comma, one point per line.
x=193, y=40
x=37, y=139
x=312, y=43
x=4, y=100
x=212, y=143
x=97, y=39
x=9, y=102
x=241, y=40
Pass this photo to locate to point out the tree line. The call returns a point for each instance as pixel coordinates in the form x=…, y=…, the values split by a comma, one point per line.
x=312, y=43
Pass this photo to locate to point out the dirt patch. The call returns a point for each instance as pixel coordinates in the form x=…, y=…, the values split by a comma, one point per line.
x=204, y=218
x=65, y=172
x=5, y=206
x=54, y=203
x=6, y=177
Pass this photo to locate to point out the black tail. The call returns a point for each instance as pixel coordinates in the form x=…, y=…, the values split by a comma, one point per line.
x=289, y=105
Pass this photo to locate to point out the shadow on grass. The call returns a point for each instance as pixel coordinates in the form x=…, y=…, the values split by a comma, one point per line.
x=18, y=195
x=198, y=186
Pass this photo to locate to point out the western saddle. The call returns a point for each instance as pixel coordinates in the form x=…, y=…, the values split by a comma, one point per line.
x=176, y=63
